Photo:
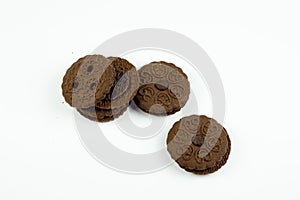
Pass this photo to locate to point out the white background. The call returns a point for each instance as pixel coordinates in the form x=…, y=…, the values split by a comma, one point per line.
x=254, y=44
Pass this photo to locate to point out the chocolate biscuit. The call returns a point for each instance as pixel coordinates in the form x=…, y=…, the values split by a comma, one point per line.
x=164, y=88
x=199, y=144
x=88, y=81
x=125, y=85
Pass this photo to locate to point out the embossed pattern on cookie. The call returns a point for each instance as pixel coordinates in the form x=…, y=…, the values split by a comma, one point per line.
x=164, y=88
x=87, y=81
x=199, y=144
x=125, y=86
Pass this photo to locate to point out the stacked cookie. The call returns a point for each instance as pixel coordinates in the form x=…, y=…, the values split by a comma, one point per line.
x=100, y=88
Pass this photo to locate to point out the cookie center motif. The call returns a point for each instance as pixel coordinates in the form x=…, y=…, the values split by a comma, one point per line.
x=90, y=68
x=198, y=140
x=75, y=85
x=162, y=85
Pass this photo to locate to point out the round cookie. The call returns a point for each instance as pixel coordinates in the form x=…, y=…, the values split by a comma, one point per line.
x=125, y=85
x=101, y=115
x=199, y=144
x=164, y=88
x=88, y=80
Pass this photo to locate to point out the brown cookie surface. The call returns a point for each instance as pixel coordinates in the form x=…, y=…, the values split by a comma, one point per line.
x=125, y=85
x=199, y=144
x=88, y=81
x=101, y=115
x=164, y=88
